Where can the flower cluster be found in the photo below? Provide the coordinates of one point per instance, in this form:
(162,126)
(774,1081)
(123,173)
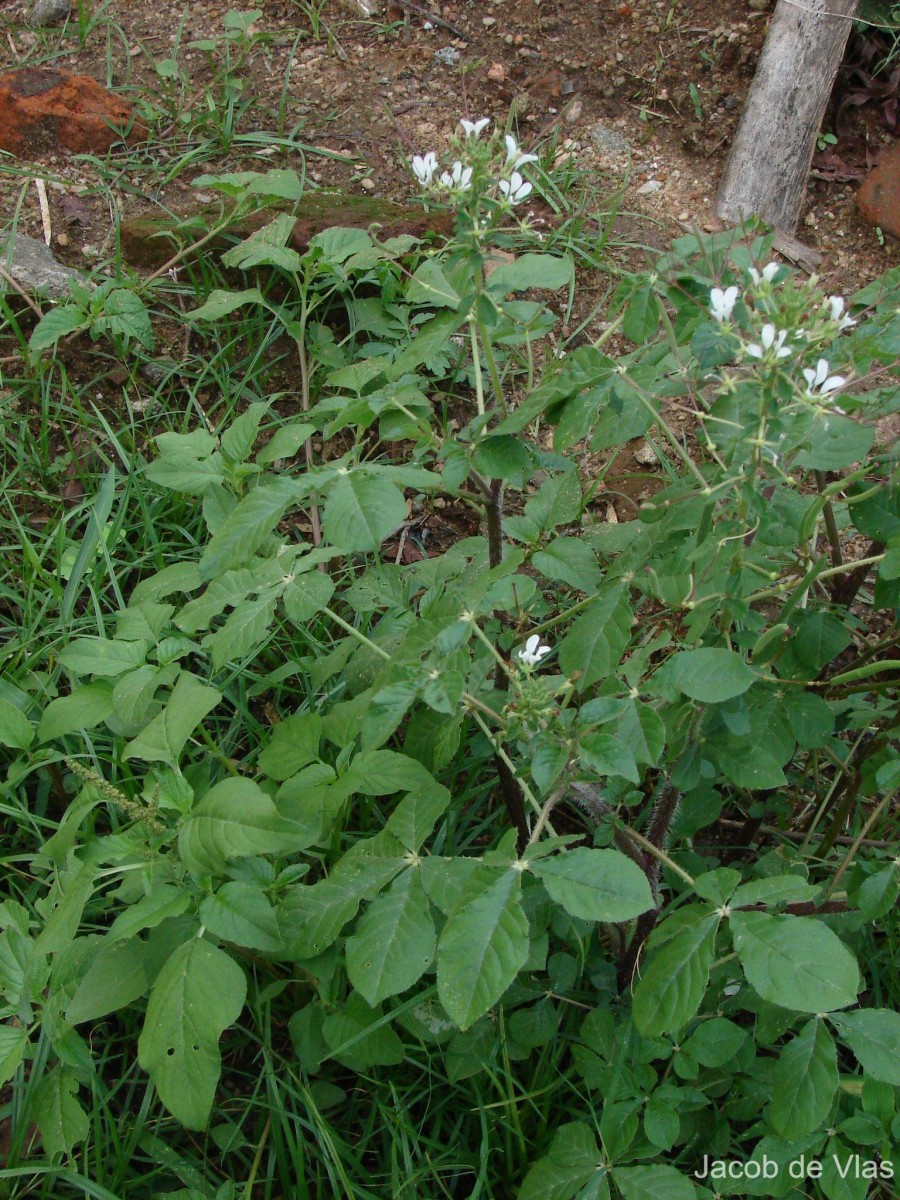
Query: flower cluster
(772,345)
(510,184)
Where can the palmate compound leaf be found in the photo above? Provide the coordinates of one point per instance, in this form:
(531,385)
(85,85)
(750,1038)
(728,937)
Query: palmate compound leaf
(571,1162)
(804,1082)
(674,981)
(198,993)
(394,941)
(484,944)
(598,885)
(796,962)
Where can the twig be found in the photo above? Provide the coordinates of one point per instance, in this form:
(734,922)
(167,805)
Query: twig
(407,6)
(17,287)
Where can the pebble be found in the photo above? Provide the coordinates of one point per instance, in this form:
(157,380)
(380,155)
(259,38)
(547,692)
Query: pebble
(367,184)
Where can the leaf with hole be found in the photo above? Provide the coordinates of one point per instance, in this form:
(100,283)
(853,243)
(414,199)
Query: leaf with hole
(198,993)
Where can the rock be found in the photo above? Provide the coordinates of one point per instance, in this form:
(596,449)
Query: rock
(151,241)
(648,188)
(44,111)
(35,269)
(610,143)
(50,12)
(879,197)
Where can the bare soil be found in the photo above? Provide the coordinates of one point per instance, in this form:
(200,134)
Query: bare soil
(359,96)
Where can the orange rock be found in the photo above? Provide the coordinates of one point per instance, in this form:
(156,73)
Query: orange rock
(879,197)
(43,111)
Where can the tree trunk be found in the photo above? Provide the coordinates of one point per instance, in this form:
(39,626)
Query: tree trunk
(769,163)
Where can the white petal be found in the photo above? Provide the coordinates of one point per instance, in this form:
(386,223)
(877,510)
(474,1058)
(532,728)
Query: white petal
(754,275)
(832,384)
(755,351)
(767,337)
(770,271)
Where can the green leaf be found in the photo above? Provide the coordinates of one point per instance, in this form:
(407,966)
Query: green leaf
(306,596)
(84,708)
(102,657)
(361,511)
(198,993)
(221,303)
(13,1043)
(247,526)
(58,1115)
(674,981)
(804,1082)
(641,316)
(233,820)
(125,315)
(116,977)
(585,653)
(597,885)
(710,674)
(415,816)
(54,325)
(164,900)
(294,744)
(661,1123)
(796,962)
(394,941)
(240,913)
(501,456)
(164,738)
(571,1162)
(357,1038)
(245,630)
(653,1183)
(569,560)
(484,945)
(544,271)
(285,442)
(16,731)
(429,285)
(604,754)
(64,905)
(835,442)
(238,438)
(715,1042)
(642,731)
(873,1034)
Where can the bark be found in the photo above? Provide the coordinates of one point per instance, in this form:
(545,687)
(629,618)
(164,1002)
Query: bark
(769,163)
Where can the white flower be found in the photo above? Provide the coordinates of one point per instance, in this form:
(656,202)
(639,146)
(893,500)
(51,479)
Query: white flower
(721,303)
(516,188)
(515,156)
(458,177)
(534,651)
(836,304)
(819,382)
(424,167)
(769,271)
(771,341)
(474,128)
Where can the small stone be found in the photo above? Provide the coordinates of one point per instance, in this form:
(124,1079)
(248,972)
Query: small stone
(367,184)
(62,239)
(50,12)
(609,141)
(573,112)
(487,22)
(35,270)
(648,188)
(496,72)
